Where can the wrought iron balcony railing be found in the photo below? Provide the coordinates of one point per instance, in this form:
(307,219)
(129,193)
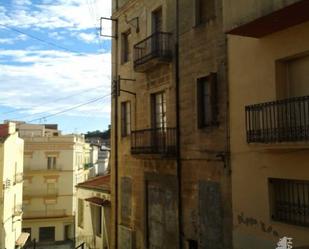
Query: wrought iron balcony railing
(158,45)
(279,121)
(154,141)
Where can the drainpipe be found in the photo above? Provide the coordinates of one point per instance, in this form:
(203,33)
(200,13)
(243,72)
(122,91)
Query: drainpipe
(178,148)
(115,93)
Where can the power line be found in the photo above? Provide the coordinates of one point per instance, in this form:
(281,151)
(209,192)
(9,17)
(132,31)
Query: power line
(69,109)
(55,100)
(42,40)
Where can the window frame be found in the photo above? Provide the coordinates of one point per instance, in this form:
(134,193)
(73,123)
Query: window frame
(51,162)
(125,46)
(80,213)
(203,120)
(126,124)
(154,114)
(198,8)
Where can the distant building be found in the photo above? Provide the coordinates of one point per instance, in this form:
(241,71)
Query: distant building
(103,160)
(93,213)
(54,164)
(11,188)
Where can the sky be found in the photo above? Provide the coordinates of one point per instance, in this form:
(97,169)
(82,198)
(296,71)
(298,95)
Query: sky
(52,59)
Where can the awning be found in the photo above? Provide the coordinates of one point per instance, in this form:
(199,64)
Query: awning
(98,201)
(22,239)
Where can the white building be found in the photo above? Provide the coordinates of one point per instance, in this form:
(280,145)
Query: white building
(11,188)
(54,164)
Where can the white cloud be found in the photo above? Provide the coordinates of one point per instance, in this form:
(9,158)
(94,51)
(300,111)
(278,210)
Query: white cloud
(13,40)
(88,37)
(72,14)
(45,76)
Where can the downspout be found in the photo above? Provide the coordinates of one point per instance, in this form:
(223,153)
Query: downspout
(178,142)
(115,93)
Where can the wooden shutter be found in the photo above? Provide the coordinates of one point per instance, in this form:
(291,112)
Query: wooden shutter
(214,97)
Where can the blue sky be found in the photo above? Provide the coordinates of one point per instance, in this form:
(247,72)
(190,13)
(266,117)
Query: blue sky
(38,80)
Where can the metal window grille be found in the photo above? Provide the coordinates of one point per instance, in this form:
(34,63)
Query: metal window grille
(290,201)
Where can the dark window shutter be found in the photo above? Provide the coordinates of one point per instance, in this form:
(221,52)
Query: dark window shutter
(200,106)
(214,97)
(123,119)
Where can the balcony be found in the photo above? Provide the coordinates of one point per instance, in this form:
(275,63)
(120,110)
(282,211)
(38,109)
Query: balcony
(18,210)
(19,177)
(152,51)
(161,141)
(279,121)
(267,20)
(57,213)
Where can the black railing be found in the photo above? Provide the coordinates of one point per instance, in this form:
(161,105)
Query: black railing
(279,121)
(154,141)
(158,45)
(290,201)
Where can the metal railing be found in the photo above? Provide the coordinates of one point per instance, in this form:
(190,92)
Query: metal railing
(158,45)
(154,141)
(290,201)
(279,121)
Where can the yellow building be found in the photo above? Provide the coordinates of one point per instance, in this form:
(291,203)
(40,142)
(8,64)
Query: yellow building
(268,51)
(11,188)
(93,215)
(54,164)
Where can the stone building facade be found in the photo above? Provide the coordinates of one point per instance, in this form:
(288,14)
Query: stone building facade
(170,152)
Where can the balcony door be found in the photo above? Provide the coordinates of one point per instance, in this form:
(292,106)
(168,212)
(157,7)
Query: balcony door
(157,20)
(156,28)
(293,114)
(159,123)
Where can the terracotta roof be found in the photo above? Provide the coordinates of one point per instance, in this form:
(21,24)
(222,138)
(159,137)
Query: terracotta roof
(22,239)
(97,183)
(99,201)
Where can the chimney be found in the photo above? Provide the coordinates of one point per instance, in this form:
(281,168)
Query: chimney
(7,129)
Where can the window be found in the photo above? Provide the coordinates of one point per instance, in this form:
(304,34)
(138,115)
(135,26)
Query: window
(51,188)
(207,100)
(126,51)
(290,201)
(125,118)
(292,77)
(98,211)
(51,162)
(80,213)
(192,244)
(204,11)
(157,21)
(46,234)
(158,110)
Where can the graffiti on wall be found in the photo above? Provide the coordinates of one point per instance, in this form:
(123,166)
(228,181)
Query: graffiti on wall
(258,224)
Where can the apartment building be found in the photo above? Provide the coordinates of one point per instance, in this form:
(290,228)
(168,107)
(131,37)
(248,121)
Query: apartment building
(93,216)
(170,151)
(11,188)
(268,51)
(53,165)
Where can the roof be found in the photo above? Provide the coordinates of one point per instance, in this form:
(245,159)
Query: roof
(22,239)
(99,201)
(101,183)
